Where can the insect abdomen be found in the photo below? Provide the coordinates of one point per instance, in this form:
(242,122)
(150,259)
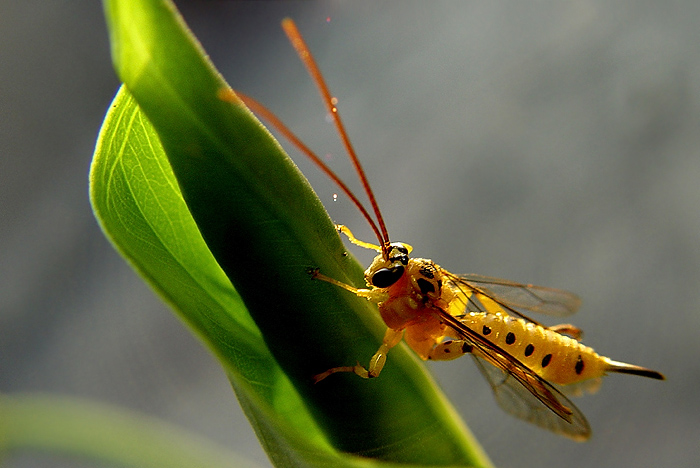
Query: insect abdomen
(551,355)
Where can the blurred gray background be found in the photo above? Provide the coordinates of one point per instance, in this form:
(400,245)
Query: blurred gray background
(547,142)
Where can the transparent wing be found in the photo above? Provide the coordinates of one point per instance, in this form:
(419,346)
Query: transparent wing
(476,293)
(520,391)
(519,401)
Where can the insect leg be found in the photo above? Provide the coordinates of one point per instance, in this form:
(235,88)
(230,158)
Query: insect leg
(376,364)
(568,329)
(316,274)
(450,349)
(351,237)
(374,295)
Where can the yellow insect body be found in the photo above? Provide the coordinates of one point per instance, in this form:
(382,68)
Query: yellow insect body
(442,316)
(415,295)
(555,357)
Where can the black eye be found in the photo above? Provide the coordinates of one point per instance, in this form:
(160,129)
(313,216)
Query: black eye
(385,277)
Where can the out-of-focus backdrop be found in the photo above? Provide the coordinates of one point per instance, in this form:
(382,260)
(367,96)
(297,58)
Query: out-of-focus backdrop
(551,142)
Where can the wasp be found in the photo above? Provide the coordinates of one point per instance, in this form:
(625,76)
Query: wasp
(443,316)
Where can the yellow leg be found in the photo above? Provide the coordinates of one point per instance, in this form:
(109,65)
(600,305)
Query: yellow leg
(367,245)
(448,350)
(373,295)
(568,329)
(316,274)
(345,230)
(376,364)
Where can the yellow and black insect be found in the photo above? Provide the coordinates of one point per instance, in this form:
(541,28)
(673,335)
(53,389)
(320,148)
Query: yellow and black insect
(443,316)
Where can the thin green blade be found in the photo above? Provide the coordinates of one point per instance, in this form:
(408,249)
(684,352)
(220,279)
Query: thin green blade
(265,227)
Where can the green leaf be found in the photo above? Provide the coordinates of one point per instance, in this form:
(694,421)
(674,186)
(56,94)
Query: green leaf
(76,427)
(235,208)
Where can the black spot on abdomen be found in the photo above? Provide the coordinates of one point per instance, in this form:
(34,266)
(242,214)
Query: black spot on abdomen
(546,360)
(529,349)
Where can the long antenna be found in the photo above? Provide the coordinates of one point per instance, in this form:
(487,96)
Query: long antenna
(305,55)
(266,114)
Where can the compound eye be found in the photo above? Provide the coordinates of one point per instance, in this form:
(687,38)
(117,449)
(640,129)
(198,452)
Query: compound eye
(385,277)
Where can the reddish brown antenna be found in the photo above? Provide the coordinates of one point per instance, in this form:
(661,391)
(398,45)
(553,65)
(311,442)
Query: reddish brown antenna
(266,114)
(305,55)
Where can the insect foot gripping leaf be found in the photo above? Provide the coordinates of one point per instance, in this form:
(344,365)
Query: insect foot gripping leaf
(444,316)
